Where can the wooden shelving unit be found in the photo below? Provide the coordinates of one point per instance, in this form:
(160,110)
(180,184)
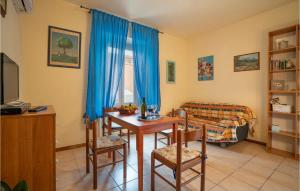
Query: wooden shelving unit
(293,135)
(285,133)
(282,91)
(285,50)
(281,71)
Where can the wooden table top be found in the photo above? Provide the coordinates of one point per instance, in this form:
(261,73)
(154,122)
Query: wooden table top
(49,111)
(133,119)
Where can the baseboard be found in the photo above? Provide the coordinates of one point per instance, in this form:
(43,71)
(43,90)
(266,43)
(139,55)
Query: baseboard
(70,147)
(257,142)
(284,153)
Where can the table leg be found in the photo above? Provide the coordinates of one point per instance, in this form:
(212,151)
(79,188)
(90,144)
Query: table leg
(175,126)
(140,157)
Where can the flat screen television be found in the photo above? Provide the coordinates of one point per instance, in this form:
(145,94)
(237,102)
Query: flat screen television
(9,76)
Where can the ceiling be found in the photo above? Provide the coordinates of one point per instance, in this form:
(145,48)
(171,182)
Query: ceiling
(183,17)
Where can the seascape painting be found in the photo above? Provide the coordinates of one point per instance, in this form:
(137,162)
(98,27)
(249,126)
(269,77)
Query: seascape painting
(246,62)
(206,68)
(171,72)
(64,48)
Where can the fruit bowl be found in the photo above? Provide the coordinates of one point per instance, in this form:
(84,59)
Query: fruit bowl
(127,109)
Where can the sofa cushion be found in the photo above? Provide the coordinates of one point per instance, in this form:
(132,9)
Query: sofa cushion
(222,131)
(217,112)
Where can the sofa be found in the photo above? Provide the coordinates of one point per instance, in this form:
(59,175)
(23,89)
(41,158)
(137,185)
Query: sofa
(226,123)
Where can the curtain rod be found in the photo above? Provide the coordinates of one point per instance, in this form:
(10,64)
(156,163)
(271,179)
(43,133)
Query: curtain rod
(89,11)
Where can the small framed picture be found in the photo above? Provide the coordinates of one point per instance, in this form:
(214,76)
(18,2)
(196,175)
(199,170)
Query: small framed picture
(246,62)
(64,48)
(3,7)
(171,72)
(206,68)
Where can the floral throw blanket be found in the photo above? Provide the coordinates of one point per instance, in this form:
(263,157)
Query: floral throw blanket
(221,120)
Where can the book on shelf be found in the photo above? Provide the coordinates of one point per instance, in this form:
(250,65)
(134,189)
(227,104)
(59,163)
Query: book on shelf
(282,64)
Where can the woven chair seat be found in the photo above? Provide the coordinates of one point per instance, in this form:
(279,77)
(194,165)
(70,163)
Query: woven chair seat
(109,141)
(169,153)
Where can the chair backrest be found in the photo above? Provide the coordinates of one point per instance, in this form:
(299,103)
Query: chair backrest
(106,110)
(91,125)
(183,115)
(88,123)
(112,109)
(188,136)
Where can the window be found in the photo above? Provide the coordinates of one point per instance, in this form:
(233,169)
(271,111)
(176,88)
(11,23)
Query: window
(126,93)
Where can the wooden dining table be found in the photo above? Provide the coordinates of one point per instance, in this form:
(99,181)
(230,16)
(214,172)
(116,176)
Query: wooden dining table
(140,127)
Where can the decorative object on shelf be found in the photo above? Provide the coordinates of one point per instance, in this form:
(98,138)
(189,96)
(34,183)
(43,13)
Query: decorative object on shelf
(275,100)
(3,7)
(290,85)
(171,72)
(282,44)
(206,68)
(247,62)
(283,108)
(291,63)
(128,109)
(277,84)
(282,64)
(275,128)
(64,48)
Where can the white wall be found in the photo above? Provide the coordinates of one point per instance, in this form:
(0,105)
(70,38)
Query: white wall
(245,88)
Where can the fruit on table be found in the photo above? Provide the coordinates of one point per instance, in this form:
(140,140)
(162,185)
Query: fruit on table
(128,108)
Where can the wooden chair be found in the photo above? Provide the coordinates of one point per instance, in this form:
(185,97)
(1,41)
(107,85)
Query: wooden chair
(115,127)
(180,159)
(168,134)
(106,144)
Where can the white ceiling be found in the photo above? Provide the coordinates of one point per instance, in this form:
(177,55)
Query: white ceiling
(183,17)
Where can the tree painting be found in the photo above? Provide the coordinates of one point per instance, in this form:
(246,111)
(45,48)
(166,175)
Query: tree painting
(64,43)
(64,47)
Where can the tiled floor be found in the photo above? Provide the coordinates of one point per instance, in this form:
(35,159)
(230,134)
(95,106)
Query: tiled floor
(241,167)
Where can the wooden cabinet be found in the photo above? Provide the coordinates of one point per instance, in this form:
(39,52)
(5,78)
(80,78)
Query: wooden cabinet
(28,149)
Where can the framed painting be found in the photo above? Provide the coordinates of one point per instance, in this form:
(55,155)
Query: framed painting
(206,68)
(64,48)
(247,62)
(171,72)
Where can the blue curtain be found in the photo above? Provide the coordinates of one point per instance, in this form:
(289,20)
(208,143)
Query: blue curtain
(146,63)
(106,61)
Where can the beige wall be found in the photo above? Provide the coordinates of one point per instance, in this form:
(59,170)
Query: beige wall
(65,88)
(62,87)
(245,88)
(173,49)
(10,38)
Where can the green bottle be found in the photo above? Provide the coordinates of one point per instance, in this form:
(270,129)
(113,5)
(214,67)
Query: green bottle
(143,108)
